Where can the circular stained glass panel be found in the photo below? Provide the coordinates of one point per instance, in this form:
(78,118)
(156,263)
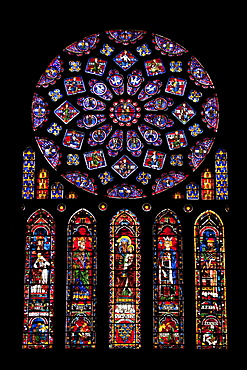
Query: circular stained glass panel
(125,114)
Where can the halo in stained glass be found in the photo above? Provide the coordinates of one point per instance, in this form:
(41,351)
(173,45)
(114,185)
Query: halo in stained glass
(128,101)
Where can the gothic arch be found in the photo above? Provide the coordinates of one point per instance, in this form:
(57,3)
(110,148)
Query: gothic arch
(168,320)
(125,259)
(81,280)
(210,283)
(39,280)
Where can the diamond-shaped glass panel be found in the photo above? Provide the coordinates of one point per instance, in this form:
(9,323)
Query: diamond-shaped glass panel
(125,59)
(66,112)
(184,112)
(124,166)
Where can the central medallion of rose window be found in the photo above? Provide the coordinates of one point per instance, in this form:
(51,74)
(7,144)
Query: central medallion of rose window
(125,112)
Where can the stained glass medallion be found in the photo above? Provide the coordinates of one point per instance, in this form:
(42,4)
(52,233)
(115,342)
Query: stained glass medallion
(125,100)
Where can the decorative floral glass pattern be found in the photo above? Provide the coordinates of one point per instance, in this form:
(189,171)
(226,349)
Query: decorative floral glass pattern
(129,78)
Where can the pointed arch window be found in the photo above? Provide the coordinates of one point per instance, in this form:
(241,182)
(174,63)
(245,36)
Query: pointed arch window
(81,281)
(125,259)
(39,281)
(168,320)
(210,283)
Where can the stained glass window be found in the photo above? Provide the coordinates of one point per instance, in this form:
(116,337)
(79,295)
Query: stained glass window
(207,184)
(42,187)
(39,281)
(128,115)
(210,282)
(125,259)
(125,114)
(28,174)
(221,174)
(57,190)
(192,191)
(81,281)
(168,296)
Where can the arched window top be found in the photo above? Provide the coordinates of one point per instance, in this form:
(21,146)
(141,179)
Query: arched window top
(209,218)
(40,218)
(124,217)
(210,282)
(39,281)
(125,272)
(82,214)
(168,217)
(125,113)
(81,281)
(168,298)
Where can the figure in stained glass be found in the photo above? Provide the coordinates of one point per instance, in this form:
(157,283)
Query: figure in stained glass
(39,281)
(74,85)
(96,66)
(125,37)
(176,86)
(184,112)
(154,67)
(81,281)
(210,286)
(125,59)
(176,139)
(124,281)
(73,139)
(95,159)
(124,166)
(83,46)
(198,74)
(66,112)
(154,159)
(52,73)
(168,320)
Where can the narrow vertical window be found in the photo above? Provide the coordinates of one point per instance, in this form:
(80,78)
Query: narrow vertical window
(39,281)
(168,320)
(221,174)
(81,281)
(125,322)
(210,284)
(28,174)
(42,191)
(207,183)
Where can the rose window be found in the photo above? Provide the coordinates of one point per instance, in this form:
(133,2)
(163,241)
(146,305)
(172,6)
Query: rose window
(125,114)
